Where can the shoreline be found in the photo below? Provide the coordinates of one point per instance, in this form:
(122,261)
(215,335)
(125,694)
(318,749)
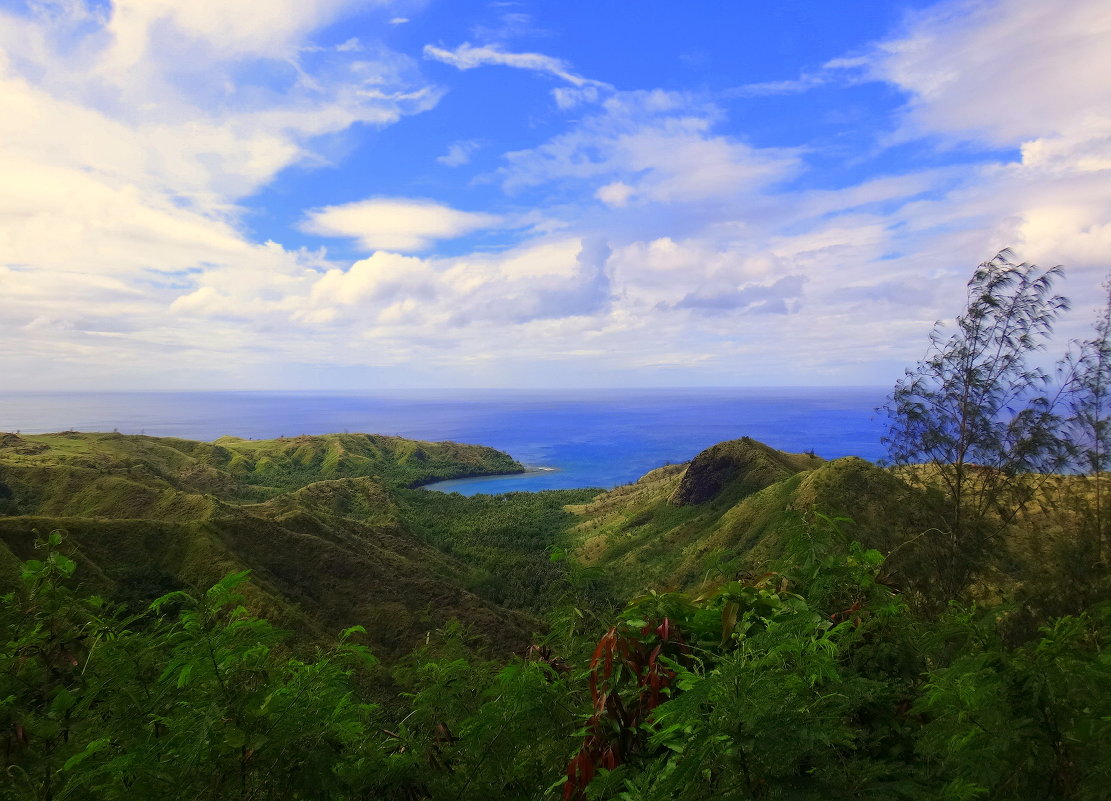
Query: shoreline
(530,470)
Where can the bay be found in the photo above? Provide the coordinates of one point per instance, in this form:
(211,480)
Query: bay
(595,438)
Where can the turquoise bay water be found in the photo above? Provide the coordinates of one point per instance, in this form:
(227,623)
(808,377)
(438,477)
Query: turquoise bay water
(591,438)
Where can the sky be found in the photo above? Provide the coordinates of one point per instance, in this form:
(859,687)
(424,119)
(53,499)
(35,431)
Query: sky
(361,194)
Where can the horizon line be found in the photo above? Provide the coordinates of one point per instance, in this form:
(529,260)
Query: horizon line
(348,390)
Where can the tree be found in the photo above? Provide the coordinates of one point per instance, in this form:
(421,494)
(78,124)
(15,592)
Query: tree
(1085,377)
(971,416)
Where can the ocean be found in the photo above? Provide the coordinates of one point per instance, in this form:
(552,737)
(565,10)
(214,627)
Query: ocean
(583,438)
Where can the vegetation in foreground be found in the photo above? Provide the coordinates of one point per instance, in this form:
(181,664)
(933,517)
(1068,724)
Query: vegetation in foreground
(815,682)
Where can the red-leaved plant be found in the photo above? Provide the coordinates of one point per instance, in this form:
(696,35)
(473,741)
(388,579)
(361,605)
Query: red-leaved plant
(628,679)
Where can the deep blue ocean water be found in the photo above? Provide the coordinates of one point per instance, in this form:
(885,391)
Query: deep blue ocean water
(593,438)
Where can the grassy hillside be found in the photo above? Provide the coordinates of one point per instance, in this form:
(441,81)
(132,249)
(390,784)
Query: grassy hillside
(679,521)
(732,511)
(335,538)
(117,475)
(314,518)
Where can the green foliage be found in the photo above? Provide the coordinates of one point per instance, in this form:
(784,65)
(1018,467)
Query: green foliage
(293,462)
(1085,376)
(773,657)
(1011,468)
(834,571)
(202,704)
(763,696)
(507,540)
(1031,722)
(91,475)
(813,681)
(772,719)
(479,730)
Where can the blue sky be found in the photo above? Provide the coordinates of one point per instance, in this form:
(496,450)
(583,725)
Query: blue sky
(351,195)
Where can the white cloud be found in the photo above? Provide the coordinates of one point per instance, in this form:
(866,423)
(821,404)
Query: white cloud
(122,254)
(467,57)
(459,153)
(395,223)
(569,97)
(267,28)
(509,25)
(791,86)
(1016,74)
(190,99)
(711,264)
(395,295)
(615,194)
(661,145)
(127,138)
(1002,72)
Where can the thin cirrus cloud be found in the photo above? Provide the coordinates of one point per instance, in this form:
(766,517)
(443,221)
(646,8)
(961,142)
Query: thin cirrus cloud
(467,56)
(397,224)
(653,146)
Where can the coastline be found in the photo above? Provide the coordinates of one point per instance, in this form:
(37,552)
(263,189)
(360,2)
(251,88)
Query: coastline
(445,485)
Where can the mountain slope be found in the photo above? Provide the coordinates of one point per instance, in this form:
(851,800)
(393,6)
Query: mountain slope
(730,511)
(117,475)
(313,518)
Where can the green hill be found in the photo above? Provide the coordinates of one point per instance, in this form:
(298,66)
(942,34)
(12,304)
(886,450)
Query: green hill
(335,537)
(118,475)
(313,518)
(737,506)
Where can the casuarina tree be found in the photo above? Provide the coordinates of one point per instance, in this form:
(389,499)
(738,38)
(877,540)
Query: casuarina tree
(972,416)
(1085,378)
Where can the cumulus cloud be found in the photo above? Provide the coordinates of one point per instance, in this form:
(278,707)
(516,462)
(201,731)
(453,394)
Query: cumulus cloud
(129,135)
(542,280)
(582,291)
(778,297)
(395,223)
(382,281)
